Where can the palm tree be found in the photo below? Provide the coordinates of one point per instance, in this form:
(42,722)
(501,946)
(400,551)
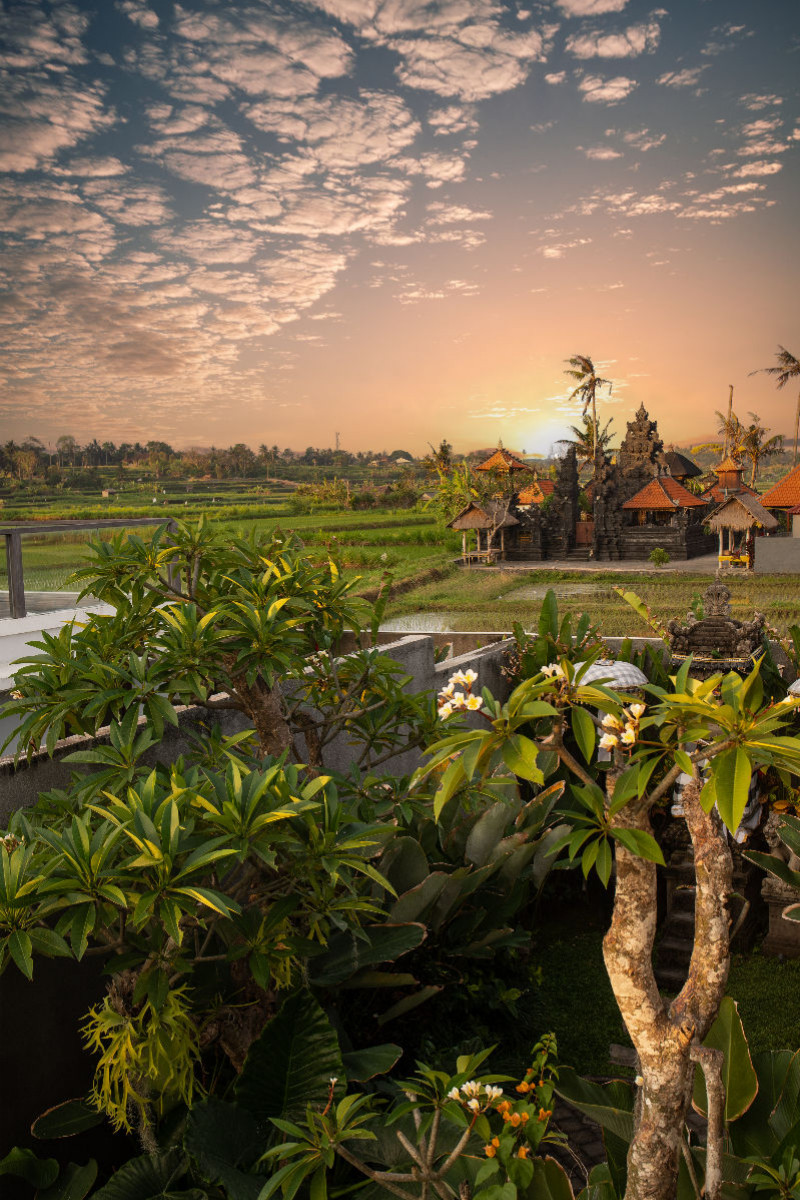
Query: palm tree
(582,370)
(733,431)
(788,368)
(586,441)
(756,446)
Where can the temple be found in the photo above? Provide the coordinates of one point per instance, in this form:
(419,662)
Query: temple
(632,506)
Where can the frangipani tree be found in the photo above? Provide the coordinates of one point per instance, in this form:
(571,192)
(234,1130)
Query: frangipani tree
(716,731)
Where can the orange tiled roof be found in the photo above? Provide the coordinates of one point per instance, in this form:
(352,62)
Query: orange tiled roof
(664,492)
(786,492)
(535,492)
(503,460)
(718,493)
(728,464)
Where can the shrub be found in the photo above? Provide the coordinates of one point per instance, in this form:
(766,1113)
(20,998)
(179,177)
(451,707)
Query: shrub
(659,557)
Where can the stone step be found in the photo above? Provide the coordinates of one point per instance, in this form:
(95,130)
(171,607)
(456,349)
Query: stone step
(670,979)
(673,950)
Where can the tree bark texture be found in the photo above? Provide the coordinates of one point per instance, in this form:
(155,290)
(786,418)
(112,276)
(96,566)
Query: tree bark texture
(663,1036)
(264,706)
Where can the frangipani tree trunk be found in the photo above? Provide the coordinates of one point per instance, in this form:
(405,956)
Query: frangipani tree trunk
(721,726)
(663,1034)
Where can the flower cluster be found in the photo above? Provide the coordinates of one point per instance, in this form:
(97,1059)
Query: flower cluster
(553,671)
(622,731)
(451,700)
(475,1096)
(11,842)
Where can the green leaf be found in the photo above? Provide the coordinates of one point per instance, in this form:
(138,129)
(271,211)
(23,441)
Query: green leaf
(360,1065)
(550,1180)
(487,832)
(19,947)
(683,761)
(292,1062)
(74,1183)
(452,780)
(585,733)
(66,1119)
(610,1104)
(738,1074)
(24,1164)
(225,1141)
(732,773)
(603,862)
(319,1186)
(640,843)
(150,1177)
(519,755)
(346,954)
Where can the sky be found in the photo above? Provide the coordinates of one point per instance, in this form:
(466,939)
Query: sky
(393,220)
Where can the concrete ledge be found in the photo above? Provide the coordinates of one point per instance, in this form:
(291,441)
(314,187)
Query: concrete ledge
(20,785)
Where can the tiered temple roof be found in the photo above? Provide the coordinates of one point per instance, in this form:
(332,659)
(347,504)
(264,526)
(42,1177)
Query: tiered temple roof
(503,460)
(663,493)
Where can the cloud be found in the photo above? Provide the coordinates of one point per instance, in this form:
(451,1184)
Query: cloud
(761,167)
(590,8)
(629,43)
(688,77)
(756,101)
(139,12)
(453,118)
(606,91)
(559,249)
(454,214)
(601,153)
(41,118)
(643,139)
(453,48)
(341,132)
(556,77)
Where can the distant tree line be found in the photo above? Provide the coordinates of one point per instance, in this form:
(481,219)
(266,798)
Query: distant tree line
(31,459)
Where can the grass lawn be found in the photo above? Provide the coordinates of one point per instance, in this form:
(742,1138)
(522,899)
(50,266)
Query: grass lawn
(575,1000)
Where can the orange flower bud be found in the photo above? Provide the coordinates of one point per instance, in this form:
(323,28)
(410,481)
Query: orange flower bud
(506,1116)
(522,1152)
(545,1113)
(495,1142)
(490,1151)
(515,1119)
(523,1087)
(524,1118)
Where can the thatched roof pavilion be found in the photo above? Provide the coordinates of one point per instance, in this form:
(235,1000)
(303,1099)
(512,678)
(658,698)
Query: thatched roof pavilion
(489,516)
(741,513)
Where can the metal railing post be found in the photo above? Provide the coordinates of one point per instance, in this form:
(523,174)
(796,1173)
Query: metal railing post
(16,579)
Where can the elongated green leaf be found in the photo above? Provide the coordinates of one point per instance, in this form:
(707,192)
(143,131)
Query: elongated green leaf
(643,844)
(19,947)
(610,1105)
(585,733)
(452,780)
(738,1075)
(292,1063)
(346,953)
(732,771)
